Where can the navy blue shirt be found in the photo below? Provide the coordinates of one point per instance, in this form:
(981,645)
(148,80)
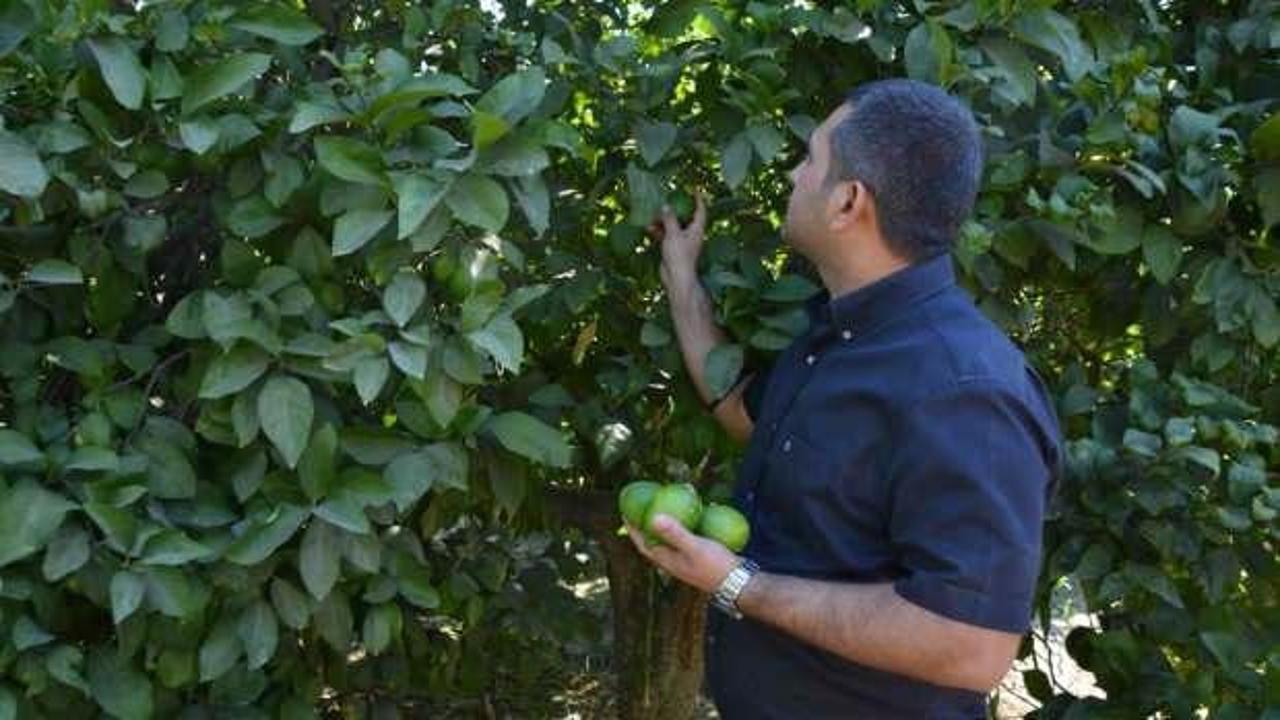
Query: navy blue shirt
(903,438)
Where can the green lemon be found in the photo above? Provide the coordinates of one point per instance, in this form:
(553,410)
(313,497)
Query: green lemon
(634,500)
(459,285)
(681,203)
(443,268)
(726,526)
(680,501)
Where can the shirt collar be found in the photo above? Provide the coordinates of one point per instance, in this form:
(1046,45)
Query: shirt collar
(863,309)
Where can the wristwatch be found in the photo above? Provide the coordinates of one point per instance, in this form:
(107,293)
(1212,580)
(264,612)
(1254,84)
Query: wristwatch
(726,596)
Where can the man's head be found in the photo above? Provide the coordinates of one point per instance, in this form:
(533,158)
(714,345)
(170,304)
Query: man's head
(894,170)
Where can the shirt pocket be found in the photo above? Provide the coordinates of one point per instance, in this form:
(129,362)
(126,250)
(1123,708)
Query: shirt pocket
(823,507)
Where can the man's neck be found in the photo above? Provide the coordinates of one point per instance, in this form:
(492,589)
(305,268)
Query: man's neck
(843,275)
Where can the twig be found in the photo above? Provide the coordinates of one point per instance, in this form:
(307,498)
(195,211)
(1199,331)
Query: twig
(153,372)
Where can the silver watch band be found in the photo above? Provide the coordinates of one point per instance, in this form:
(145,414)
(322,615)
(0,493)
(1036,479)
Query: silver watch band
(726,596)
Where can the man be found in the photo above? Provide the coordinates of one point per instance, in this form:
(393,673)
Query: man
(901,451)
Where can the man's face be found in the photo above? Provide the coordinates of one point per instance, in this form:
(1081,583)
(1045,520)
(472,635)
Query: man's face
(808,208)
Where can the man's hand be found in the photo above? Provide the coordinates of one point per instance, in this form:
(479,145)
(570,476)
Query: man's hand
(693,560)
(681,246)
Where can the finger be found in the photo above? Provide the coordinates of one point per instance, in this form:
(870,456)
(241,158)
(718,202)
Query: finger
(672,532)
(654,230)
(670,225)
(638,540)
(699,222)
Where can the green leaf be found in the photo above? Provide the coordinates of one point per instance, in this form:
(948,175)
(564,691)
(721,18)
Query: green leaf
(16,22)
(487,129)
(244,418)
(317,467)
(259,633)
(1264,142)
(735,159)
(1156,582)
(219,652)
(291,605)
(144,234)
(215,80)
(518,155)
(334,621)
(1162,252)
(199,134)
(127,591)
(17,449)
(927,52)
(1267,182)
(501,338)
(120,69)
(312,114)
(410,477)
(29,518)
(529,437)
(382,626)
(369,377)
(27,634)
(790,289)
(535,202)
(318,560)
(1188,126)
(356,228)
(723,365)
(64,663)
(410,359)
(173,31)
(263,538)
(654,139)
(171,547)
(478,200)
(416,196)
(175,593)
(1266,319)
(55,272)
(253,217)
(766,140)
(21,173)
(281,23)
(345,512)
(350,159)
(1058,34)
(515,96)
(117,687)
(169,472)
(68,552)
(644,190)
(233,371)
(403,296)
(1015,69)
(285,410)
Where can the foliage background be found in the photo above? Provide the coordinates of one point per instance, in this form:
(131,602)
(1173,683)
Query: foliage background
(320,321)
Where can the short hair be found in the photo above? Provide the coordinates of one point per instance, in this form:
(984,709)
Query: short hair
(919,151)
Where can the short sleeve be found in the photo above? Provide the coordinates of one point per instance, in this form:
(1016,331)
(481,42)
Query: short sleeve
(753,393)
(969,480)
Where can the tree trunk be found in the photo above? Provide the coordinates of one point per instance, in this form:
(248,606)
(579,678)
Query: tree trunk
(657,626)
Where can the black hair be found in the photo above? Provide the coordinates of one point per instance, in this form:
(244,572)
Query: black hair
(919,152)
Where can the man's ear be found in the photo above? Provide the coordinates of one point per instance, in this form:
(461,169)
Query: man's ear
(846,203)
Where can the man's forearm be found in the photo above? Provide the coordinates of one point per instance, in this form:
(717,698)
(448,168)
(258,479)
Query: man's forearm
(872,625)
(694,319)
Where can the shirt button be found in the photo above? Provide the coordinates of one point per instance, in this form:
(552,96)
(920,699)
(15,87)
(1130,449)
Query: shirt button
(786,446)
(810,360)
(847,334)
